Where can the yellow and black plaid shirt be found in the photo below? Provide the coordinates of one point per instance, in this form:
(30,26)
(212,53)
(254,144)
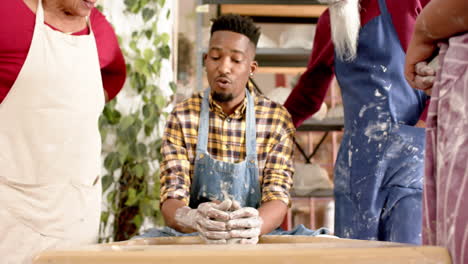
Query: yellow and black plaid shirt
(226,142)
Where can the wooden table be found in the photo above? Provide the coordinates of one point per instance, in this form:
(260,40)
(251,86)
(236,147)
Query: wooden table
(270,250)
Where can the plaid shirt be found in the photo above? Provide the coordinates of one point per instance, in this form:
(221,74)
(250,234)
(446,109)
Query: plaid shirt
(226,142)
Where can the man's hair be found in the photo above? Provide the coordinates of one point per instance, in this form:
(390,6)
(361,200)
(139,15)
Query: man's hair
(237,23)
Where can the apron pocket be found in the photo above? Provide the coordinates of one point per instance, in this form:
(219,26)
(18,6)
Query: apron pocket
(53,210)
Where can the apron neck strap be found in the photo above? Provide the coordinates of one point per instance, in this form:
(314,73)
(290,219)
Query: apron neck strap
(39,14)
(250,134)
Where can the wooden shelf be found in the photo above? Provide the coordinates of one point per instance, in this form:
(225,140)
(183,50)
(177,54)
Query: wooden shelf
(307,11)
(284,70)
(324,193)
(279,57)
(323,125)
(263,2)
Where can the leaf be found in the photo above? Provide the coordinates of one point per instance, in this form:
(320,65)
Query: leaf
(140,65)
(100,8)
(141,151)
(165,51)
(111,197)
(160,101)
(173,86)
(168,14)
(122,149)
(148,54)
(147,110)
(104,216)
(106,182)
(132,198)
(138,170)
(147,14)
(145,207)
(149,130)
(112,162)
(126,122)
(129,3)
(148,34)
(155,204)
(165,38)
(137,220)
(157,67)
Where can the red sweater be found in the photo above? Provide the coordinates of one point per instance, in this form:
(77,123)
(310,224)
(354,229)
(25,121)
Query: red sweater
(16,32)
(309,93)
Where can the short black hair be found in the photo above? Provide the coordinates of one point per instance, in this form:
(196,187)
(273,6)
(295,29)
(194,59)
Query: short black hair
(237,23)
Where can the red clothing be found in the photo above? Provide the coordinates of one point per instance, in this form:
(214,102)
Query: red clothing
(16,31)
(309,93)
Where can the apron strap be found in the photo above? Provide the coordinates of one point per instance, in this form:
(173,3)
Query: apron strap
(39,14)
(250,134)
(386,16)
(204,123)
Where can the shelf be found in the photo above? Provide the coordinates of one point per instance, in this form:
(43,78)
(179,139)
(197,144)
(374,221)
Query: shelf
(263,2)
(325,193)
(307,11)
(323,125)
(279,57)
(284,70)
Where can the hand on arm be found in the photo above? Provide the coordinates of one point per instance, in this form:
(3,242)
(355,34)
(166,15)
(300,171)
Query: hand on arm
(439,20)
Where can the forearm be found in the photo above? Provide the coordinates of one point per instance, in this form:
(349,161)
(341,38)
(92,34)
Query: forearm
(168,210)
(441,19)
(272,213)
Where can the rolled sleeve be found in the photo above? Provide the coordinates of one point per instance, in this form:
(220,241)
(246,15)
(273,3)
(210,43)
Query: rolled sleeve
(279,170)
(175,166)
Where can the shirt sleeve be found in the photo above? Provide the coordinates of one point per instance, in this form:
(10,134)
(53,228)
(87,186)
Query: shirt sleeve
(175,166)
(404,14)
(309,93)
(278,171)
(111,60)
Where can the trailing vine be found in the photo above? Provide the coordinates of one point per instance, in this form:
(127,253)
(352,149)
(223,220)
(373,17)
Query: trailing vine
(131,185)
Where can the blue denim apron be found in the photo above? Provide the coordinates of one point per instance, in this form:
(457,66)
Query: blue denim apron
(212,178)
(379,168)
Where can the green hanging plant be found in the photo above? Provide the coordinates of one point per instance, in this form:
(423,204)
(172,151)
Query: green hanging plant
(131,185)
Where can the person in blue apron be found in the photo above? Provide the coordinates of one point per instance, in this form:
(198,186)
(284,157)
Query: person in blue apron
(379,167)
(227,152)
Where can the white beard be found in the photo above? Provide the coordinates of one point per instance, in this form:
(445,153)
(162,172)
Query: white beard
(345,24)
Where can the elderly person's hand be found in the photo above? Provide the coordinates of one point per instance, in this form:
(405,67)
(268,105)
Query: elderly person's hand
(245,225)
(419,72)
(209,219)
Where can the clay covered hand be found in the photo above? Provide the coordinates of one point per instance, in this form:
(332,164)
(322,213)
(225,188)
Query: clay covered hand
(209,219)
(425,75)
(245,225)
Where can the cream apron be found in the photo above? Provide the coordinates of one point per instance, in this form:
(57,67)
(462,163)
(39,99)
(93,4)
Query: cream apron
(50,192)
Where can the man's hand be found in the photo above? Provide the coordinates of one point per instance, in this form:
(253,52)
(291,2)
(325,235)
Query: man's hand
(209,219)
(245,224)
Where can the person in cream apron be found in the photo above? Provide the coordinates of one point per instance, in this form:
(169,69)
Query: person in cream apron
(50,146)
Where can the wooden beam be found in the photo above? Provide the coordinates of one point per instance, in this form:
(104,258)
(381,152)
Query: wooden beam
(275,10)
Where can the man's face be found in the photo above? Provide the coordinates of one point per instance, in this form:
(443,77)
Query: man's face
(228,63)
(345,24)
(75,7)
